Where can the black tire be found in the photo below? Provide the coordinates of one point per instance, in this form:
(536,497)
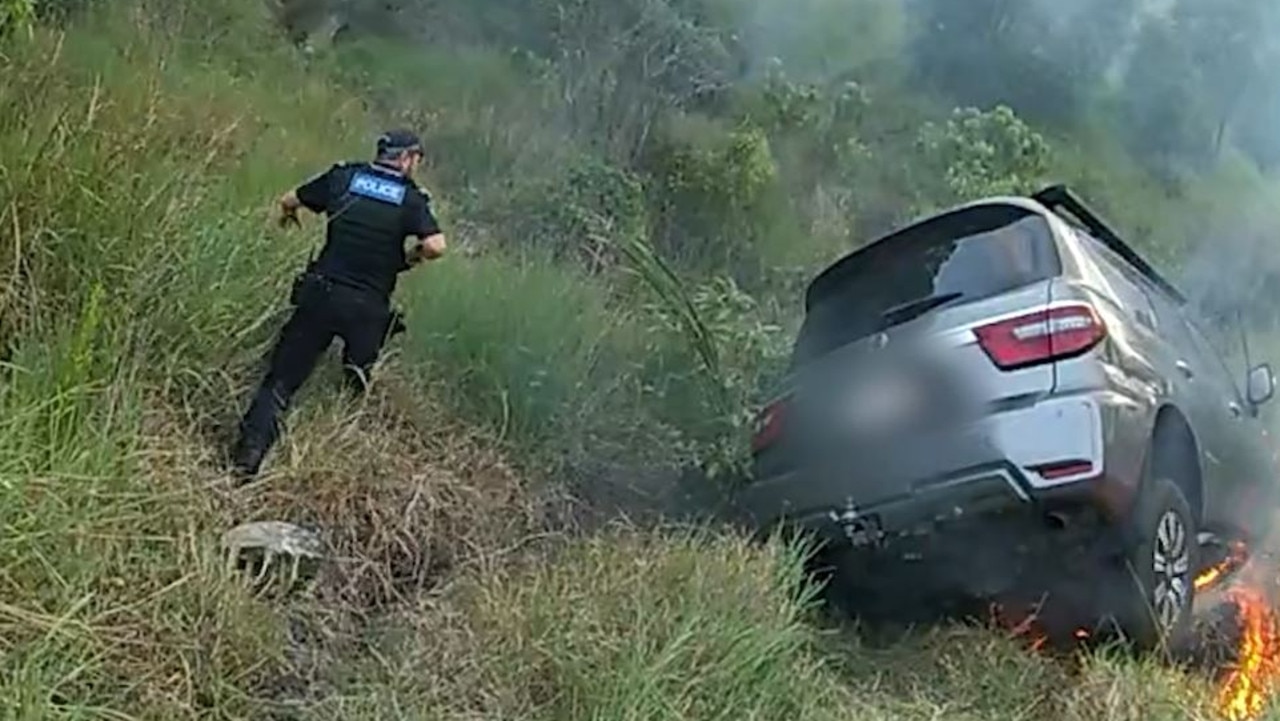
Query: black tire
(1160,559)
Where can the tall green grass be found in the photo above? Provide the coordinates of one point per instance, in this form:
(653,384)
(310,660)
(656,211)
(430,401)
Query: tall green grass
(574,370)
(689,627)
(136,177)
(651,625)
(534,349)
(140,168)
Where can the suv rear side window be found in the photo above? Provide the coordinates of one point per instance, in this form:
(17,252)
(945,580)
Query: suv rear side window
(972,254)
(1132,293)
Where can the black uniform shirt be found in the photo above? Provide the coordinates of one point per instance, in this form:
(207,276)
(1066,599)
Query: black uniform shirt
(371,209)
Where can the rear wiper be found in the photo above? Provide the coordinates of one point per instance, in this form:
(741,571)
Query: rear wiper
(918,307)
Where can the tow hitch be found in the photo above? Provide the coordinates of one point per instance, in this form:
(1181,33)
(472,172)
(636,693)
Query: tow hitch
(861,529)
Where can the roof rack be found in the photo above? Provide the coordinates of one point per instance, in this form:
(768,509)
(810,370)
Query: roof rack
(1058,198)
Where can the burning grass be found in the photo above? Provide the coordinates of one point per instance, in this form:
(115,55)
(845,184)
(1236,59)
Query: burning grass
(1241,634)
(1249,687)
(1230,672)
(1233,560)
(700,625)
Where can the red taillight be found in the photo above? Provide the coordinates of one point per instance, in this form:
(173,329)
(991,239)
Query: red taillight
(1063,469)
(1042,336)
(767,427)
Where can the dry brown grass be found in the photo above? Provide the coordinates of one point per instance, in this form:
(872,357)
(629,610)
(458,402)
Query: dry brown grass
(399,505)
(157,624)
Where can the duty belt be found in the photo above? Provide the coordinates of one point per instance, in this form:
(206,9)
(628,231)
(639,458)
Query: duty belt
(395,319)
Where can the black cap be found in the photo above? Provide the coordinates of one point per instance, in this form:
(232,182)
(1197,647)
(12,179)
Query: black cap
(397,141)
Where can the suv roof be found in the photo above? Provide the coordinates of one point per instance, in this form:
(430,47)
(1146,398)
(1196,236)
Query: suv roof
(1058,199)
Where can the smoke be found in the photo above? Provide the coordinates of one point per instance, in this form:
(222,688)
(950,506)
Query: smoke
(817,39)
(1232,276)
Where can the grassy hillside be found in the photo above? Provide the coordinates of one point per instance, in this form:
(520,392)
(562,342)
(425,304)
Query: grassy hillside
(612,305)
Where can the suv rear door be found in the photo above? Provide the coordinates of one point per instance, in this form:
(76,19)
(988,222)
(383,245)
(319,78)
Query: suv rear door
(907,305)
(1238,436)
(1197,391)
(1135,365)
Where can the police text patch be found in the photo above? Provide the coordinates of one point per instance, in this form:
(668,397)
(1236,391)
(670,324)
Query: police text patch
(371,186)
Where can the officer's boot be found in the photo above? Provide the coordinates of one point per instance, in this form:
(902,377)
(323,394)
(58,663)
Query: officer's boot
(258,431)
(246,460)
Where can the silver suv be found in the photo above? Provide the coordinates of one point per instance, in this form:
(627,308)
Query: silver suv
(1005,397)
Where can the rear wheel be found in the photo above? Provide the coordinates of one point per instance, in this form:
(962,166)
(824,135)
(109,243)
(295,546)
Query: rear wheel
(1160,559)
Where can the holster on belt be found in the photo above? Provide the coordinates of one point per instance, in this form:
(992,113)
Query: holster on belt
(306,279)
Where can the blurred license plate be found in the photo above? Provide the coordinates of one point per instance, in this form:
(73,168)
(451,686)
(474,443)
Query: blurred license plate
(883,402)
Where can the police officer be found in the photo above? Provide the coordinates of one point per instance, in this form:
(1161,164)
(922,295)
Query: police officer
(372,208)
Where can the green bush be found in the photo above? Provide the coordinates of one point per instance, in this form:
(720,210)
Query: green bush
(712,401)
(568,370)
(572,213)
(710,187)
(483,120)
(981,153)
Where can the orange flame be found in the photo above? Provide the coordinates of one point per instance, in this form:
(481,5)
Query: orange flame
(1026,627)
(1235,558)
(1246,690)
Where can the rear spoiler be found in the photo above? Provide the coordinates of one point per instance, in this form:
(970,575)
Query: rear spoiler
(1058,198)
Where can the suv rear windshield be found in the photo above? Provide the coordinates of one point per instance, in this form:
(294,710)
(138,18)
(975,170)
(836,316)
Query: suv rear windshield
(958,257)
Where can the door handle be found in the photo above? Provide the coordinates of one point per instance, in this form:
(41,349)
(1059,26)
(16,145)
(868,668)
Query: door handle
(1185,368)
(1236,410)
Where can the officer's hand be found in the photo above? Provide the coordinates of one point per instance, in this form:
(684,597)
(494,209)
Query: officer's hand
(432,247)
(417,256)
(287,219)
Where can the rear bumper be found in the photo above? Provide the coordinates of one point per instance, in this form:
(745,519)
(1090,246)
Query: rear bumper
(1028,461)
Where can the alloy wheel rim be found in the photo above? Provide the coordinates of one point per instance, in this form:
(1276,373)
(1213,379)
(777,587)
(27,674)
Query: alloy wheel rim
(1171,563)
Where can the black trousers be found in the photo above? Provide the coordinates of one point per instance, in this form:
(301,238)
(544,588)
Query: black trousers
(322,310)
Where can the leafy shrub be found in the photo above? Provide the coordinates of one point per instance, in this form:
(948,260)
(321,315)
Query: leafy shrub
(573,214)
(709,186)
(985,153)
(713,407)
(708,349)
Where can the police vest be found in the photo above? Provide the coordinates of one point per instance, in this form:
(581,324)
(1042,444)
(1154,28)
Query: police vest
(368,216)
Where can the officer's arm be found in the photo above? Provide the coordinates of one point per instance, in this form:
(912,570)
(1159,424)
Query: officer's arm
(312,195)
(426,229)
